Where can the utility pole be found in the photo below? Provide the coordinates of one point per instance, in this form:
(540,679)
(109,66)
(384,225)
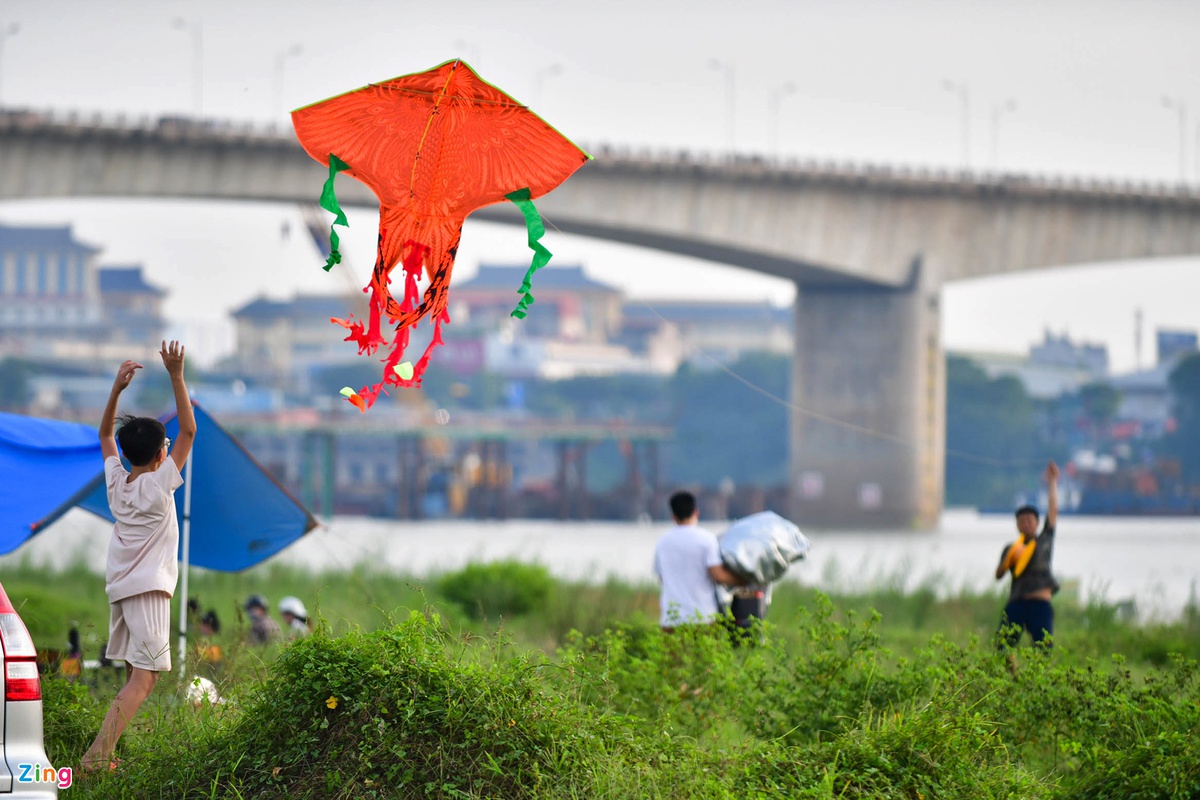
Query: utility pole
(730,98)
(777,95)
(964,94)
(11,30)
(197,33)
(1178,106)
(998,111)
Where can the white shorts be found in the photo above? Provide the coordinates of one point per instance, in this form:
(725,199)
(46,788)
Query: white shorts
(139,631)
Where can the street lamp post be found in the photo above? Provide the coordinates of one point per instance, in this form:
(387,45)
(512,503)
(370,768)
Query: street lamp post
(964,94)
(730,97)
(777,95)
(11,30)
(998,111)
(1179,107)
(280,59)
(197,33)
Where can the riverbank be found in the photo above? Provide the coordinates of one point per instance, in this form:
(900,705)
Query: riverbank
(1152,566)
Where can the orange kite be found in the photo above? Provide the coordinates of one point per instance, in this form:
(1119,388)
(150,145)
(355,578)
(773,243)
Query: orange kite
(434,147)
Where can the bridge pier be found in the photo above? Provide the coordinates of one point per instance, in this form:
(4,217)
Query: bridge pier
(868,425)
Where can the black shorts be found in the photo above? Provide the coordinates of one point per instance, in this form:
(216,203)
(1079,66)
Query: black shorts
(1035,616)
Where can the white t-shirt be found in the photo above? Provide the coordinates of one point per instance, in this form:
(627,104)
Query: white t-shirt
(143,554)
(681,561)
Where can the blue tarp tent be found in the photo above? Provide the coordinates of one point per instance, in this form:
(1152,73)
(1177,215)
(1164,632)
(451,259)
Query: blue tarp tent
(239,514)
(43,462)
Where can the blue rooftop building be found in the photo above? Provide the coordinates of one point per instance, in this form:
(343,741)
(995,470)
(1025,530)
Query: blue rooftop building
(56,303)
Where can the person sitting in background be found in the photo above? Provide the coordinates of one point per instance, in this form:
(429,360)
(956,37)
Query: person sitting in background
(295,617)
(263,629)
(211,657)
(71,665)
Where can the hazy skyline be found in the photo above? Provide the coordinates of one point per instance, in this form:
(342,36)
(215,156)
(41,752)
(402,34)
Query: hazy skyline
(1069,88)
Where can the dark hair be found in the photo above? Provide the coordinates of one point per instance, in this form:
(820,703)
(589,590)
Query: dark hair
(210,619)
(683,505)
(140,438)
(1028,509)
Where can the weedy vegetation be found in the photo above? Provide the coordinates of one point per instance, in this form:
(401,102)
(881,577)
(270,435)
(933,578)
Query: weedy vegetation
(499,681)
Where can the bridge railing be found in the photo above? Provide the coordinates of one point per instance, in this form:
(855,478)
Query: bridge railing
(791,168)
(671,160)
(167,126)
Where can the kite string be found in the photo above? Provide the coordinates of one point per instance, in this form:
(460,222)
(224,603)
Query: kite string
(817,415)
(437,104)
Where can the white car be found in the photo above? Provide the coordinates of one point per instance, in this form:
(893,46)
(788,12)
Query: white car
(25,770)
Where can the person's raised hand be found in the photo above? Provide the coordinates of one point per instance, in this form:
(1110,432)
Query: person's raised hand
(1052,472)
(172,356)
(125,374)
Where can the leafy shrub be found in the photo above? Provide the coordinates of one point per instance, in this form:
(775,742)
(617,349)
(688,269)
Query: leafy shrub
(1162,766)
(394,713)
(500,588)
(936,750)
(680,682)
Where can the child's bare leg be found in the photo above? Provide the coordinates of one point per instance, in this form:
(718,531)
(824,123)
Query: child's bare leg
(124,706)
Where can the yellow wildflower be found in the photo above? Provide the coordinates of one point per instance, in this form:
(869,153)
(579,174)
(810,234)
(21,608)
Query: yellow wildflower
(331,702)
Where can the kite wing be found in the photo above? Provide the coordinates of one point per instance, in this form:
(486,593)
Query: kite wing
(443,142)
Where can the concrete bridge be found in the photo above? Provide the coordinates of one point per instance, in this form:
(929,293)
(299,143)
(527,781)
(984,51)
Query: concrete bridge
(868,249)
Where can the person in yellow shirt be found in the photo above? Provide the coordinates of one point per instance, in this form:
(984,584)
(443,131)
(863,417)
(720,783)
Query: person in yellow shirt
(1028,561)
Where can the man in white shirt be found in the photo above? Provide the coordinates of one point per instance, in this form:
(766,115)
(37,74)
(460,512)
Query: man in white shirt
(688,564)
(143,552)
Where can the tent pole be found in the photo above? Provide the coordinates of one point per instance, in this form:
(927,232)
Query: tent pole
(185,557)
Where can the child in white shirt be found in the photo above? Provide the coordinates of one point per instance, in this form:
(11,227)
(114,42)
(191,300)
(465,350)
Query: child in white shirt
(143,565)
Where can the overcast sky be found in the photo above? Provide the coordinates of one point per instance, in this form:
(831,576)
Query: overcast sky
(852,80)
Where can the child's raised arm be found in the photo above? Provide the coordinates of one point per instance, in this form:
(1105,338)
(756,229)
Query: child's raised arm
(108,438)
(172,356)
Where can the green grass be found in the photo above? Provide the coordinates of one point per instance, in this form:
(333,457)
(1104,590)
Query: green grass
(567,690)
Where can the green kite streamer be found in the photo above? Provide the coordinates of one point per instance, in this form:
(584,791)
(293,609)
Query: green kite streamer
(541,256)
(330,203)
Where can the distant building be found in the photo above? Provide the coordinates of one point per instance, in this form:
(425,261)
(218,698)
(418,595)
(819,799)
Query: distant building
(1145,399)
(1146,395)
(706,331)
(1054,367)
(1174,344)
(553,359)
(281,341)
(131,307)
(48,286)
(568,332)
(581,326)
(1060,351)
(569,305)
(57,304)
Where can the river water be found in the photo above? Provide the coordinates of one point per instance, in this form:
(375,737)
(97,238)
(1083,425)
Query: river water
(1154,562)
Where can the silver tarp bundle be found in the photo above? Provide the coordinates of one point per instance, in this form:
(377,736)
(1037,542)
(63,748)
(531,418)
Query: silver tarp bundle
(762,546)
